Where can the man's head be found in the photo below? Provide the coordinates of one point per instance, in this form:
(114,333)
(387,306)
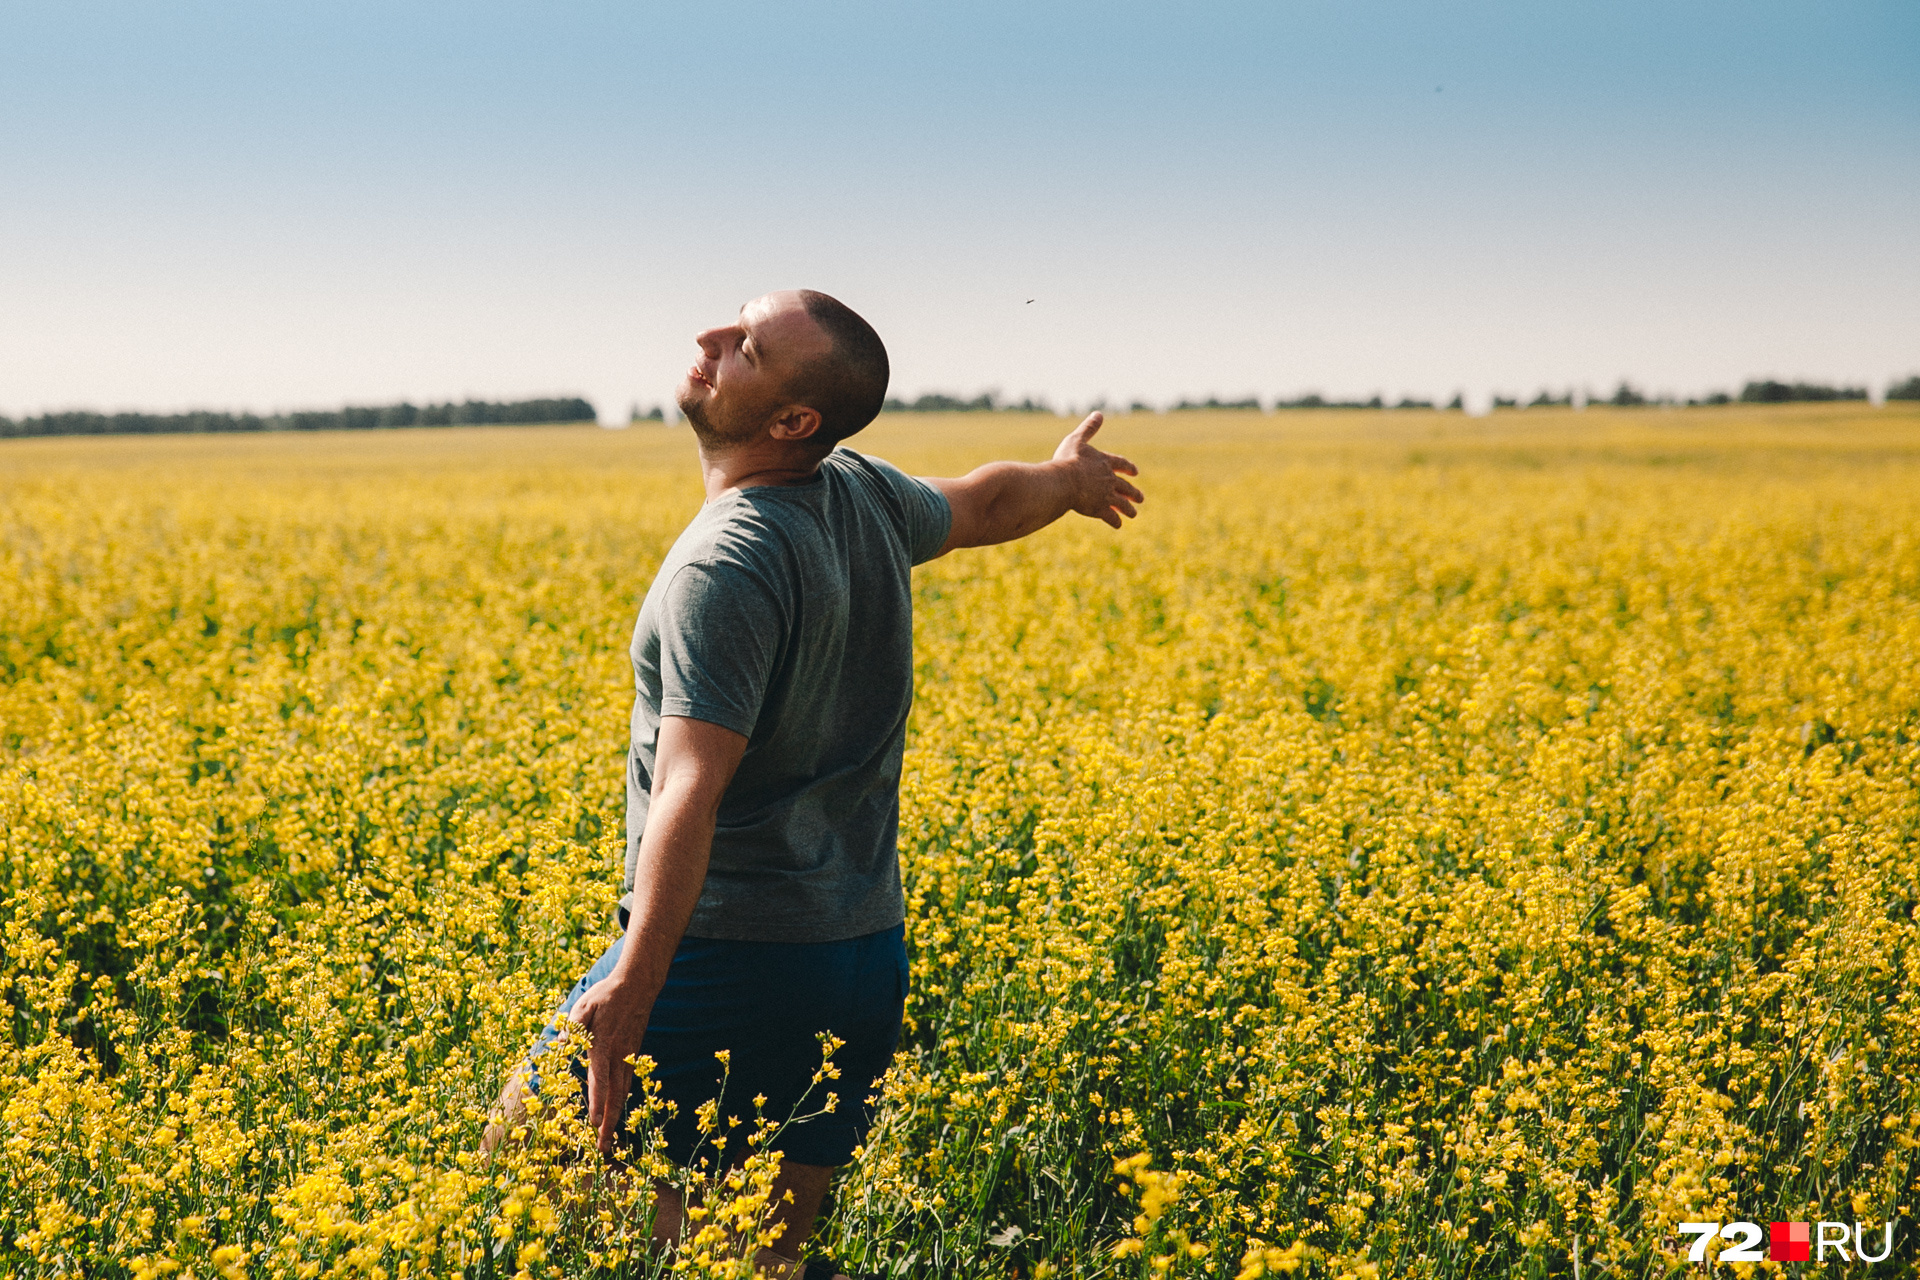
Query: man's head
(796,366)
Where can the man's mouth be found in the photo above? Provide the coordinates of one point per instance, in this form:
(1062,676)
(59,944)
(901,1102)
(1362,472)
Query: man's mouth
(693,372)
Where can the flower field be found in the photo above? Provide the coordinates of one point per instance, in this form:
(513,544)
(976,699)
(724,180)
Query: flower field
(1418,846)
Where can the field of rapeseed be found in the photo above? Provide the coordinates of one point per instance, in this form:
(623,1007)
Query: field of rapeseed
(1417,846)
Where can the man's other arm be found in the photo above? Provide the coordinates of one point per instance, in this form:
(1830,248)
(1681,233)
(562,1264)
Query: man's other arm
(693,764)
(1002,501)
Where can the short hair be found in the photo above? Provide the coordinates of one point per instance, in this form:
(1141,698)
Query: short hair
(848,385)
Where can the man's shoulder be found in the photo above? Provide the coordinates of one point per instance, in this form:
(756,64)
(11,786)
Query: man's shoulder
(730,537)
(739,528)
(768,530)
(851,463)
(873,479)
(919,513)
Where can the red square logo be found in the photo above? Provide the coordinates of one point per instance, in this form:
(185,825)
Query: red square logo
(1788,1242)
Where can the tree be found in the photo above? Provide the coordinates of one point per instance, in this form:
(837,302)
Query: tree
(349,418)
(937,402)
(1769,391)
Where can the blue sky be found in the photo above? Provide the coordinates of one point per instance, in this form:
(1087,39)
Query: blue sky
(261,206)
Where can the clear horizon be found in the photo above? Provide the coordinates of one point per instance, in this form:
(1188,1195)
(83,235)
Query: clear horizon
(223,207)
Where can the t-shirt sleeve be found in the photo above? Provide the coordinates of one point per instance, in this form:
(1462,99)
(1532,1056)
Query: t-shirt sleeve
(720,634)
(929,517)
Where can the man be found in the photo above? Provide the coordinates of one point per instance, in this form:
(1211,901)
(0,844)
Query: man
(773,669)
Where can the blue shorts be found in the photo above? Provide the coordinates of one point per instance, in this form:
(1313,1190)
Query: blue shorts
(765,1003)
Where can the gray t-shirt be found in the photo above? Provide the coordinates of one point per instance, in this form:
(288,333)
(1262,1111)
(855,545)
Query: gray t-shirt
(786,615)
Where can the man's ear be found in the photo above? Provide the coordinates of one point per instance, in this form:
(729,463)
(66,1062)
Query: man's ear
(795,422)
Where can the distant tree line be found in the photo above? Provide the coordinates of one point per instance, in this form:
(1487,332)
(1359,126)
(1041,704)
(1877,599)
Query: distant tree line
(1771,392)
(468,413)
(575,409)
(986,402)
(1759,391)
(1212,403)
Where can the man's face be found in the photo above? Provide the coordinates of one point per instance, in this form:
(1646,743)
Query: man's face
(736,389)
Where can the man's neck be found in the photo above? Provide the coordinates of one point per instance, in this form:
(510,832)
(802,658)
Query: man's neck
(763,462)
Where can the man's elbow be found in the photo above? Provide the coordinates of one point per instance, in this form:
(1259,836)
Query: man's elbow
(695,787)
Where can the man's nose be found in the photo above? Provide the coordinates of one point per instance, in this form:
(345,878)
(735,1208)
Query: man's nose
(714,341)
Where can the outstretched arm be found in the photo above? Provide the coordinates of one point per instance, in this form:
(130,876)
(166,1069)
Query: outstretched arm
(1003,501)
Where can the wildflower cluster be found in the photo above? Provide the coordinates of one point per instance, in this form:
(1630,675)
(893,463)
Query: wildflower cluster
(1395,854)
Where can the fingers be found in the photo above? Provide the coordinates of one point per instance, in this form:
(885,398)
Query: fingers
(1078,437)
(1123,496)
(599,1086)
(619,1087)
(610,1085)
(609,1119)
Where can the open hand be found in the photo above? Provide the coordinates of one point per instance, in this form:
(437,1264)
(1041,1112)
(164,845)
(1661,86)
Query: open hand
(618,1023)
(1100,487)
